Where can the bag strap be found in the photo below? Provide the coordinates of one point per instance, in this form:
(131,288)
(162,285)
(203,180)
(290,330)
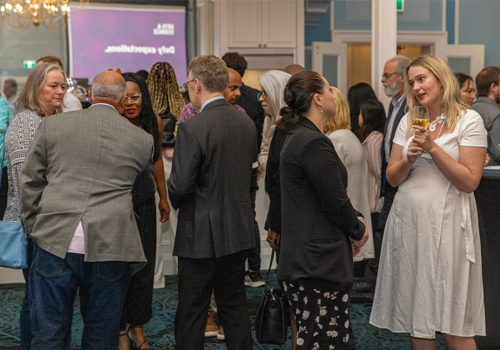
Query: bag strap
(1,161)
(270,265)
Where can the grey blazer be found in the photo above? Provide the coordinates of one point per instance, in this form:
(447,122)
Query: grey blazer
(489,111)
(210,182)
(81,166)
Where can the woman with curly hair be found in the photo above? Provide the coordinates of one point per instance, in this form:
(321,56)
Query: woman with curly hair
(167,103)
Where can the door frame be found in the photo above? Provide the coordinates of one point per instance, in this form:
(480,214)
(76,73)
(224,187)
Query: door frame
(438,42)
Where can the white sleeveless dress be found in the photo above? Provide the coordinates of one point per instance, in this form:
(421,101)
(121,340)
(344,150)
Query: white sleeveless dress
(429,276)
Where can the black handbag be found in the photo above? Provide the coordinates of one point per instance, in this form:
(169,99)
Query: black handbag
(270,321)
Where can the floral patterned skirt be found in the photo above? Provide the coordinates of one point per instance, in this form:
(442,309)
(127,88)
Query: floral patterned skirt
(322,316)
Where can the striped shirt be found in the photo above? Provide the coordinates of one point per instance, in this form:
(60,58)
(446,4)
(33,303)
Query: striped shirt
(373,159)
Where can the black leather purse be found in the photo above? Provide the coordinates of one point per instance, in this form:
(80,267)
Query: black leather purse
(270,322)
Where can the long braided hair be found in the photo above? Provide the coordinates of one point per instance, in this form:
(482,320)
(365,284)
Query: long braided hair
(164,90)
(147,117)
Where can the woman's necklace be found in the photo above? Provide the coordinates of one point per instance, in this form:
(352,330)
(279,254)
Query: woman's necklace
(438,120)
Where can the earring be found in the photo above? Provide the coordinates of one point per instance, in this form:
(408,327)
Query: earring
(321,111)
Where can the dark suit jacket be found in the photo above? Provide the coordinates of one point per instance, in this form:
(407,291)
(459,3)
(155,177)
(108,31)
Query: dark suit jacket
(390,134)
(317,216)
(210,182)
(81,166)
(249,102)
(272,184)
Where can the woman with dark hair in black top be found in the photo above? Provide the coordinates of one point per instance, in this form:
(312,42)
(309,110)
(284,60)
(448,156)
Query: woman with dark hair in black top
(356,95)
(320,230)
(137,309)
(372,121)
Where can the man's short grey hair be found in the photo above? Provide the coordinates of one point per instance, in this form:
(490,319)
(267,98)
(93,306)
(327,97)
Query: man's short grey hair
(402,63)
(12,82)
(104,88)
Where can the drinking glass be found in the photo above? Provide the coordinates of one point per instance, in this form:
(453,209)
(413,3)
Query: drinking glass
(420,116)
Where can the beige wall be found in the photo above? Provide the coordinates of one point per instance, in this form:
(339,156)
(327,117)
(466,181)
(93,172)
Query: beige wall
(251,77)
(359,61)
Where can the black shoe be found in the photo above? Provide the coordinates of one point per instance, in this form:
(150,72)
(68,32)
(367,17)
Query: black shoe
(254,279)
(363,287)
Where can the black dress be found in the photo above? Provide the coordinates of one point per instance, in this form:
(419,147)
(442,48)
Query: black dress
(137,309)
(272,181)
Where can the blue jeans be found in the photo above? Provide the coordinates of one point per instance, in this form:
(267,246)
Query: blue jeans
(24,317)
(54,283)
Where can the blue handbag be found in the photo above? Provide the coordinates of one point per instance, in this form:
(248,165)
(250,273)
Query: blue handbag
(13,244)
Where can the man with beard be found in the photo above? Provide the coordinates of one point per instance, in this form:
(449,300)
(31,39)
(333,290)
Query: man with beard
(393,81)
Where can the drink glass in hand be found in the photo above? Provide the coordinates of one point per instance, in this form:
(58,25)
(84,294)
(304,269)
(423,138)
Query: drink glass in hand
(420,116)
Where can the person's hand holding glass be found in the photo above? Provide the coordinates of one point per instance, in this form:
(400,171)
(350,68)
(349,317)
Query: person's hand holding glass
(420,117)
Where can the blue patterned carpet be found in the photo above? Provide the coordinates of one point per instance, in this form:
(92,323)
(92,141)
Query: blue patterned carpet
(160,330)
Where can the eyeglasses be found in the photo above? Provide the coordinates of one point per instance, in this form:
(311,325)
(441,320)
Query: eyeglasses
(133,98)
(186,84)
(388,75)
(261,94)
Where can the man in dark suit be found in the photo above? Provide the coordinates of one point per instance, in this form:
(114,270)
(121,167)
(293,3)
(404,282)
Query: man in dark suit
(251,104)
(214,154)
(78,209)
(393,81)
(248,99)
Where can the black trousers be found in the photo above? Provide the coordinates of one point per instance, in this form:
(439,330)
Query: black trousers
(197,278)
(378,235)
(254,254)
(138,305)
(4,188)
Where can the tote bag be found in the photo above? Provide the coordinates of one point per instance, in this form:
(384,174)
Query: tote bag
(270,322)
(13,244)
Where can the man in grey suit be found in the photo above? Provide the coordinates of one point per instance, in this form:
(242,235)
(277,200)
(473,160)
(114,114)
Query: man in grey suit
(488,92)
(76,205)
(214,153)
(393,81)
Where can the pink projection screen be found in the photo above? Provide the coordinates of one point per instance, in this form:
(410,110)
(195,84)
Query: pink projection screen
(129,38)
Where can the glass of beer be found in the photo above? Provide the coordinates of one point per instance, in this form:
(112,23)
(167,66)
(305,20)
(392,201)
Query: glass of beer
(420,116)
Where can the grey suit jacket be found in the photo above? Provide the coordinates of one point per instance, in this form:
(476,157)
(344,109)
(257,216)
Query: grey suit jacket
(489,111)
(210,182)
(81,166)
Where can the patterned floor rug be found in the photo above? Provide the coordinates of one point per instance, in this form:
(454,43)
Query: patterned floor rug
(160,330)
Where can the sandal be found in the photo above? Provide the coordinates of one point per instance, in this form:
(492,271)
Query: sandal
(133,345)
(124,334)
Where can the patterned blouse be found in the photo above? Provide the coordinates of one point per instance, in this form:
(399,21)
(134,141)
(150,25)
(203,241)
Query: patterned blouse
(5,120)
(188,111)
(20,133)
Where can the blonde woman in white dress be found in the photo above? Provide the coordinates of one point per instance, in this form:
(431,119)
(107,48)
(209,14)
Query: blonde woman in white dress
(430,276)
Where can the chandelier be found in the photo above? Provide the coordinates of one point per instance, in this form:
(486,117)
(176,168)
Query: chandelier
(51,13)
